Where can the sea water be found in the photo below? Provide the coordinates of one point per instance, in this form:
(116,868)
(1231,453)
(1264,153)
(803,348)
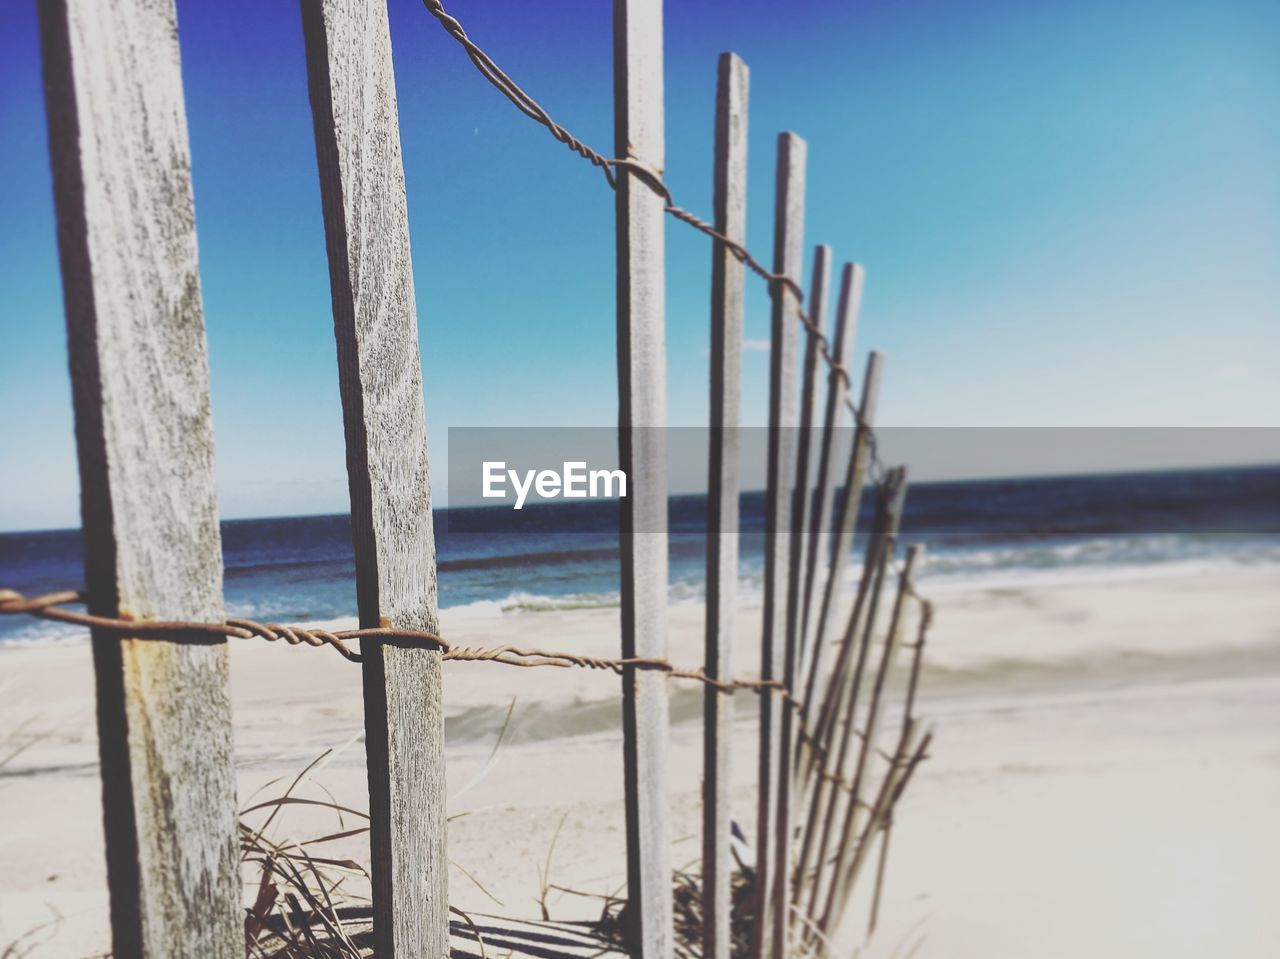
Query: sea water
(981,533)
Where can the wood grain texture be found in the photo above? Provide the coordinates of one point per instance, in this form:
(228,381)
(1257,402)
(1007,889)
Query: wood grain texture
(140,387)
(642,414)
(772,841)
(723,485)
(818,547)
(353,103)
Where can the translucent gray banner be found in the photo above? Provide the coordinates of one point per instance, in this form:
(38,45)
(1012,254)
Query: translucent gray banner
(964,482)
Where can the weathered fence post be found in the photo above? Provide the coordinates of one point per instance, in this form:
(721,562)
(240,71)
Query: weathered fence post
(817,559)
(912,748)
(727,273)
(140,389)
(908,714)
(353,103)
(819,765)
(804,497)
(870,730)
(846,523)
(642,416)
(845,684)
(772,838)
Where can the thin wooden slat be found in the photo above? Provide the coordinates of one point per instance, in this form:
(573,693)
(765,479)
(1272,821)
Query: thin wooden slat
(353,103)
(723,486)
(871,724)
(876,891)
(819,542)
(906,760)
(824,760)
(912,748)
(140,388)
(870,732)
(908,717)
(818,289)
(835,763)
(798,539)
(772,841)
(638,132)
(846,525)
(811,757)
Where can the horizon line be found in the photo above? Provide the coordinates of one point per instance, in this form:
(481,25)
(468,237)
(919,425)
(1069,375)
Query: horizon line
(1082,474)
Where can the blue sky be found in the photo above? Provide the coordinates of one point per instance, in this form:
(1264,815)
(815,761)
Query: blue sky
(1069,214)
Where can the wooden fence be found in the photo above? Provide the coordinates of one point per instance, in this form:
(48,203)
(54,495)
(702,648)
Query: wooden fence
(127,241)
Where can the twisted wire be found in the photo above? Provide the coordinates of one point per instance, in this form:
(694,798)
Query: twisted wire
(51,606)
(652,178)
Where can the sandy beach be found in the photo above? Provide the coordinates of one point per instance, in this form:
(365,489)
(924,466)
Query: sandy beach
(1104,781)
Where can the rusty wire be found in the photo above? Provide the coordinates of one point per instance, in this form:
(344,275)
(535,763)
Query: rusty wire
(50,606)
(652,178)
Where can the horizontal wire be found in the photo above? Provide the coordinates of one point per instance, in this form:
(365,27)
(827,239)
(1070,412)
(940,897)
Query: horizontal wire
(51,607)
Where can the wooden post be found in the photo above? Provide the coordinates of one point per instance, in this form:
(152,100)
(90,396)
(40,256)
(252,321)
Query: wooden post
(642,415)
(817,559)
(772,840)
(140,390)
(353,103)
(722,497)
(796,589)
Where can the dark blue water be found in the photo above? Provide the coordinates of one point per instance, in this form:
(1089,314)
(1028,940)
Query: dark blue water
(988,531)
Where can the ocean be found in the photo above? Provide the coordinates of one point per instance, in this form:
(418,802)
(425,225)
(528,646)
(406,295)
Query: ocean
(979,533)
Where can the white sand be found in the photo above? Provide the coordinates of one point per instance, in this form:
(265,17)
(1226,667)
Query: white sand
(1104,782)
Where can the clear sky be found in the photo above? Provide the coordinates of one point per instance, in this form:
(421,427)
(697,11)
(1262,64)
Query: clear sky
(1069,214)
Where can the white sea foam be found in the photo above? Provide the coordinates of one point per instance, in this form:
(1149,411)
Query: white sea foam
(38,632)
(948,568)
